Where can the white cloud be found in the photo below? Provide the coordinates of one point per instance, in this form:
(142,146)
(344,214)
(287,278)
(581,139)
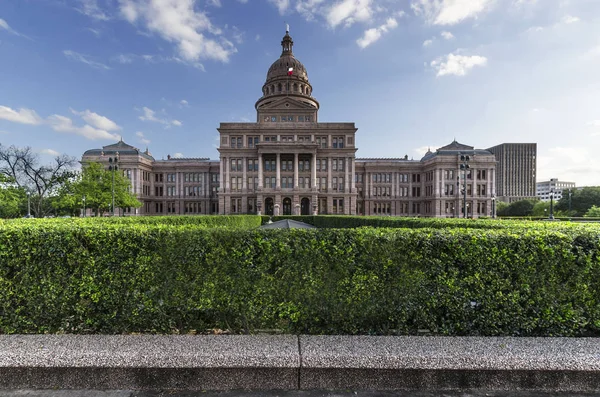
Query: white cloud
(100,122)
(595,123)
(576,164)
(51,152)
(568,19)
(458,65)
(447,35)
(92,10)
(4,25)
(23,116)
(64,124)
(153,59)
(184,103)
(282,5)
(96,32)
(349,11)
(178,155)
(257,37)
(142,137)
(177,21)
(450,12)
(427,43)
(84,59)
(372,35)
(243,1)
(214,3)
(149,115)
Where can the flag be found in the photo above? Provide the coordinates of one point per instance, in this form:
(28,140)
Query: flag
(290,71)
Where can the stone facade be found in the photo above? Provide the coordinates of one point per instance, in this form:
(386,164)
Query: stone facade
(287,162)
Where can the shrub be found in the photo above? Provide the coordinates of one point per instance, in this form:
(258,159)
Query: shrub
(118,277)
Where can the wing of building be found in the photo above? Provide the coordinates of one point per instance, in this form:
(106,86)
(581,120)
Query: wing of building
(287,162)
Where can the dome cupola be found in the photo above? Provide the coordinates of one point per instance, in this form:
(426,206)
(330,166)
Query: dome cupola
(287,77)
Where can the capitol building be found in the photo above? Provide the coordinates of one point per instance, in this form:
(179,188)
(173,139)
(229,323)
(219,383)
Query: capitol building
(289,163)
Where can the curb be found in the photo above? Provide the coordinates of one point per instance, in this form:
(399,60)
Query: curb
(287,362)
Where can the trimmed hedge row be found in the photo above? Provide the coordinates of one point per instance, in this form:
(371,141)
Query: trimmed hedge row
(118,278)
(211,221)
(345,221)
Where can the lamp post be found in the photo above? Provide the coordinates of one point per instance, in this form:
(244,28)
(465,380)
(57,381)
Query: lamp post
(28,205)
(83,199)
(493,206)
(464,166)
(113,166)
(570,193)
(551,204)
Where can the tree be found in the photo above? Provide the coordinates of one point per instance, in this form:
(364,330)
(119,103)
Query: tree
(95,184)
(518,208)
(593,212)
(11,198)
(581,200)
(22,166)
(541,208)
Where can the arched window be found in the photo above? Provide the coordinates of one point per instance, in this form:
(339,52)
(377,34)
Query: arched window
(279,87)
(295,87)
(272,89)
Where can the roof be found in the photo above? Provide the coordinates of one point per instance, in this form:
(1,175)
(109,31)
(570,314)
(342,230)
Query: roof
(122,148)
(455,148)
(287,224)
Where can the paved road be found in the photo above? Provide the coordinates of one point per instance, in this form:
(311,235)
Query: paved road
(129,393)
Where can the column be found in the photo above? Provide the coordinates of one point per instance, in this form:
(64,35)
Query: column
(222,175)
(328,176)
(296,171)
(244,177)
(393,185)
(353,176)
(278,172)
(313,171)
(227,181)
(346,176)
(260,171)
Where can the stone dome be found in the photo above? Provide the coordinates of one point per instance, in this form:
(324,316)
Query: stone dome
(280,80)
(281,66)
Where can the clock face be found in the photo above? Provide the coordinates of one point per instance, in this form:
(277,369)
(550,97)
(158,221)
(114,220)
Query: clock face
(273,118)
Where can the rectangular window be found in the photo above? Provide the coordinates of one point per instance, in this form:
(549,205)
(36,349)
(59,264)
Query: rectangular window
(334,183)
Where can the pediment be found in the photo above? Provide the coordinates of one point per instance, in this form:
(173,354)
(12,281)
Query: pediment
(287,104)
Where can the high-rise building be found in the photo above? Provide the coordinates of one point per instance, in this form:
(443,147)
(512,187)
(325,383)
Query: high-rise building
(516,170)
(288,162)
(554,186)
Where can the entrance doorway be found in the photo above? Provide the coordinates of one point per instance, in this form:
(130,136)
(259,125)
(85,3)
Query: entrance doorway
(305,206)
(269,206)
(287,206)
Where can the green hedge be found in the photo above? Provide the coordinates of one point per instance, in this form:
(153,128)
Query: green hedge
(119,278)
(345,221)
(211,221)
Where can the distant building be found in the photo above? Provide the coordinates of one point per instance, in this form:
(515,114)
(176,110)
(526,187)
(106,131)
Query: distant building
(559,188)
(290,163)
(515,171)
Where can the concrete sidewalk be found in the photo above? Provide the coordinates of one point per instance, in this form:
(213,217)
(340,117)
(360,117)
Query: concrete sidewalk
(295,363)
(129,393)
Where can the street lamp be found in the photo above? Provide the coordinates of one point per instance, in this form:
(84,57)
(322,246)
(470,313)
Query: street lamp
(464,166)
(83,199)
(113,166)
(28,205)
(551,204)
(570,193)
(493,206)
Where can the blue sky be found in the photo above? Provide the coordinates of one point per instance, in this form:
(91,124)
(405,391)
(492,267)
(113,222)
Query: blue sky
(412,74)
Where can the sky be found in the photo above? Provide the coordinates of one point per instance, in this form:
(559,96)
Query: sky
(412,74)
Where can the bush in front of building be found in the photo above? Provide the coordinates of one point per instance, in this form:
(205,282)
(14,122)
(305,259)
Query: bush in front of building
(121,278)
